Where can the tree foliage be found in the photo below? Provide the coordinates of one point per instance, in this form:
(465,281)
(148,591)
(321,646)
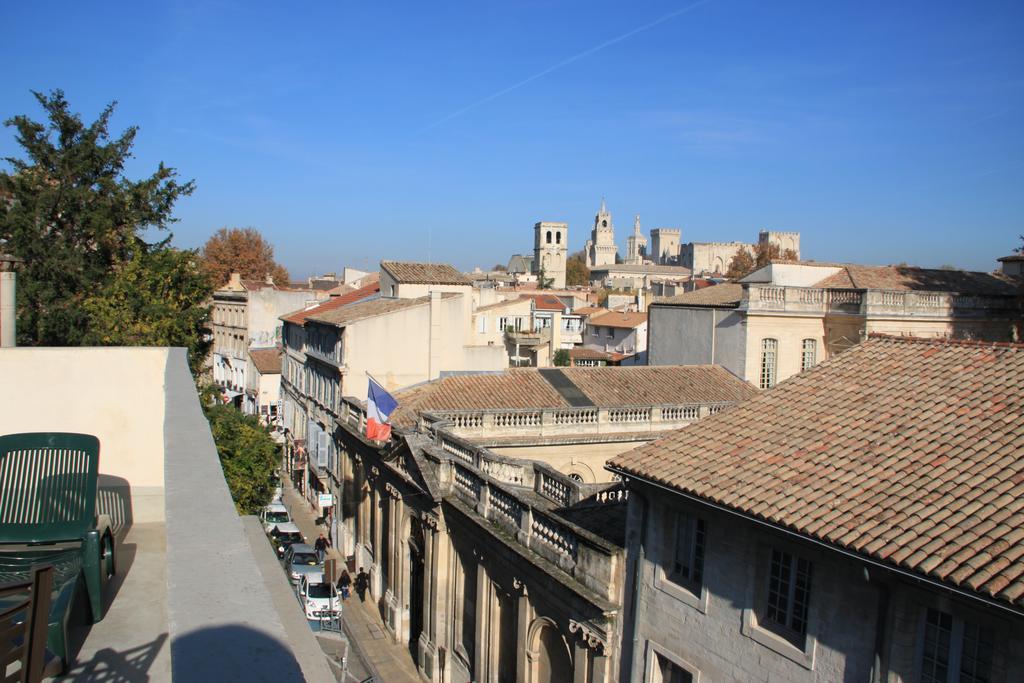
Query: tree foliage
(155,299)
(576,271)
(561,358)
(543,281)
(745,262)
(242,251)
(498,268)
(248,456)
(742,264)
(68,210)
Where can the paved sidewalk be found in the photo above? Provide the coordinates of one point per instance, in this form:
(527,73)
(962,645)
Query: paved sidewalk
(390,661)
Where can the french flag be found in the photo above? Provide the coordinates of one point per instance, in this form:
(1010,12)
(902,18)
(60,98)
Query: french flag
(379,406)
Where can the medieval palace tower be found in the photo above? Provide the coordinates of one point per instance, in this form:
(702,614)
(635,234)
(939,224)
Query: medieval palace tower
(550,250)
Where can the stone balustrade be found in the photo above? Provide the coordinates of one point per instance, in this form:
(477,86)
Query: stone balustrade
(491,485)
(553,422)
(874,302)
(352,413)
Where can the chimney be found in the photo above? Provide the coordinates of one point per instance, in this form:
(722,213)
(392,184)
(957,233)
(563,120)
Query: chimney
(434,350)
(8,305)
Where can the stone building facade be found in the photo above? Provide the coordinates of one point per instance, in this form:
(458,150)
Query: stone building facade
(665,246)
(493,559)
(851,524)
(713,258)
(243,316)
(786,317)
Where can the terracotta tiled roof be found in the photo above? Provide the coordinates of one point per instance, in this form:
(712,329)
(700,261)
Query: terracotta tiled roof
(267,361)
(547,302)
(907,451)
(728,294)
(649,384)
(604,387)
(501,304)
(424,273)
(590,310)
(921,279)
(626,321)
(299,317)
(369,309)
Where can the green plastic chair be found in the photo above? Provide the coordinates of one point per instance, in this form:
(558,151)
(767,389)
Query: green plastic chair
(48,488)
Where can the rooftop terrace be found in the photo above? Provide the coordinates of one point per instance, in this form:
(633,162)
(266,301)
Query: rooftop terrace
(189,601)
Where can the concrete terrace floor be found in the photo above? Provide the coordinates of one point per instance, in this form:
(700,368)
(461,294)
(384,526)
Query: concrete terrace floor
(388,661)
(130,644)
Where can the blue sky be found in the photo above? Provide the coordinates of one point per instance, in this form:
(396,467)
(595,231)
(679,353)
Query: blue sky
(350,132)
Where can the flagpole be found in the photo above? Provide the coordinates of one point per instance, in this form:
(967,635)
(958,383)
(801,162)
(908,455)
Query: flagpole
(379,383)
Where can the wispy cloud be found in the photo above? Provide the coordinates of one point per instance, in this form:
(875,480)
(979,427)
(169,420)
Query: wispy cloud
(566,62)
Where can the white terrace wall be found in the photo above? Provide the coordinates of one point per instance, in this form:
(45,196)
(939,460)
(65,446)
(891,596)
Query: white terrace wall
(115,393)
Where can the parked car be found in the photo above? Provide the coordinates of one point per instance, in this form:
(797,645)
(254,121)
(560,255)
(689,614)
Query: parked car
(300,559)
(318,597)
(274,514)
(283,536)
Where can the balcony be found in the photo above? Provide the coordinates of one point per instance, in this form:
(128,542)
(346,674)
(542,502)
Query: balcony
(871,302)
(198,593)
(542,509)
(554,422)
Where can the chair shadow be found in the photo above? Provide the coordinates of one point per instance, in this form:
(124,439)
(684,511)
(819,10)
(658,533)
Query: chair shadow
(118,666)
(115,500)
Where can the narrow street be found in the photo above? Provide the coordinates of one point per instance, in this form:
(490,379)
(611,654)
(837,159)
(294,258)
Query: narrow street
(386,660)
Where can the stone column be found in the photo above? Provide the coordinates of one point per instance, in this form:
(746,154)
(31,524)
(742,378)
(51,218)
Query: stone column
(590,644)
(480,636)
(523,658)
(579,663)
(8,301)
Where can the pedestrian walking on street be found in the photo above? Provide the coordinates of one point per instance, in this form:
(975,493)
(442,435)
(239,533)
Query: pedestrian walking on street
(321,546)
(362,583)
(344,583)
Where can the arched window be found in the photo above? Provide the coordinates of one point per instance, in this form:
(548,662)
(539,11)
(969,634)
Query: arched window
(769,362)
(810,354)
(549,237)
(558,238)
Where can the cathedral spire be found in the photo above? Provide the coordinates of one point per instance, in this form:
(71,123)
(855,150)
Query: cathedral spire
(636,225)
(603,209)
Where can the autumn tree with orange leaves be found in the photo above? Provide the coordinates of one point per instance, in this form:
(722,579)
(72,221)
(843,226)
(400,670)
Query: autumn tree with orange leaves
(242,251)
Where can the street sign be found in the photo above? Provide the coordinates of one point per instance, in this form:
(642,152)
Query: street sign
(326,500)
